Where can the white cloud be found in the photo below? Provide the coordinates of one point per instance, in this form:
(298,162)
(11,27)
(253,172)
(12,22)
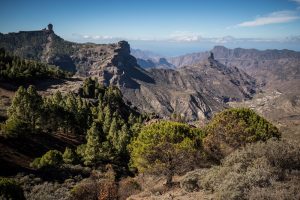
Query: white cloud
(188,37)
(94,37)
(297,1)
(272,18)
(223,40)
(184,36)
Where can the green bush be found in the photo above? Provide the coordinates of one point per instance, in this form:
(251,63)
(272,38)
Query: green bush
(167,148)
(52,158)
(236,127)
(69,156)
(9,189)
(80,151)
(15,127)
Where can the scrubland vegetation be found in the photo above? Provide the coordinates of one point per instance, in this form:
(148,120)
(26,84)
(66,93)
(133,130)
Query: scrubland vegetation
(237,155)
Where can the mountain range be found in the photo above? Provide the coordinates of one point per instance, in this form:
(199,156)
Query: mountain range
(194,86)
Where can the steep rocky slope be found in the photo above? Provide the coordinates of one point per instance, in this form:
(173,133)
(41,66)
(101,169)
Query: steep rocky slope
(269,67)
(195,92)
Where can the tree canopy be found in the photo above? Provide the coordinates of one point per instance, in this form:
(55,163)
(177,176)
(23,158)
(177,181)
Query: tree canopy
(235,127)
(166,147)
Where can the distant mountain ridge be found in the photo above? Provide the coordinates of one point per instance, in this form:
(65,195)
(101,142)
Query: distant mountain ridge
(268,66)
(148,59)
(221,52)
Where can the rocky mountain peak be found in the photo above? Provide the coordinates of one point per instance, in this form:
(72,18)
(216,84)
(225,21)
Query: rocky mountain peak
(123,47)
(50,27)
(211,56)
(219,48)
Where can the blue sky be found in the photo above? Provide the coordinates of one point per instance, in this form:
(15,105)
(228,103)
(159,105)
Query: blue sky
(169,27)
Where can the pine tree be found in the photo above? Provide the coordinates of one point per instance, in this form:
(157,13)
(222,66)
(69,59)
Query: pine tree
(25,111)
(123,140)
(34,106)
(69,156)
(131,119)
(18,104)
(57,99)
(93,145)
(107,120)
(100,116)
(71,108)
(113,133)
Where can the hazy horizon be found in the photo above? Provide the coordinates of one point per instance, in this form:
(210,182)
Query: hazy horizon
(168,27)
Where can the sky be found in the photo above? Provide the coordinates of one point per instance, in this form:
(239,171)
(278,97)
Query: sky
(168,27)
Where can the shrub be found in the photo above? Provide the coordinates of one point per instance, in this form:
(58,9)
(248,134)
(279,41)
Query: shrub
(9,189)
(128,187)
(80,151)
(50,191)
(288,190)
(233,128)
(86,189)
(95,189)
(69,156)
(190,181)
(260,167)
(52,158)
(15,127)
(167,148)
(108,190)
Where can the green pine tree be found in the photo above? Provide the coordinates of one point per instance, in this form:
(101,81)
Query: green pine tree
(93,146)
(113,133)
(123,140)
(25,111)
(107,120)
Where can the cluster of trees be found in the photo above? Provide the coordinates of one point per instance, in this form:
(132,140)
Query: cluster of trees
(107,123)
(13,68)
(30,113)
